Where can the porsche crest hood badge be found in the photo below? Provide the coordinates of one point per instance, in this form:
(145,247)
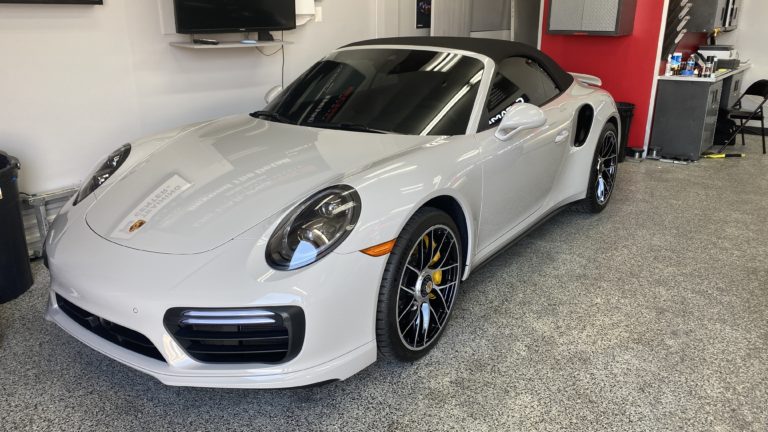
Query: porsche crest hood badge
(149,206)
(137,225)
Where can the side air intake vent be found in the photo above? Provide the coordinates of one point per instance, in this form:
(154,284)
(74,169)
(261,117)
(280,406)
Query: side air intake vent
(263,335)
(583,125)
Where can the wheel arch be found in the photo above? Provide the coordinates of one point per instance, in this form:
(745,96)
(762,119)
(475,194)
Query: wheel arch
(616,122)
(462,207)
(387,208)
(451,206)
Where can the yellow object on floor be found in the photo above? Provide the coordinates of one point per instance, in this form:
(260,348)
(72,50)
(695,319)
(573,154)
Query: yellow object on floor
(725,155)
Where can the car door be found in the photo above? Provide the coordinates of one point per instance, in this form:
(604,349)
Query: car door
(519,173)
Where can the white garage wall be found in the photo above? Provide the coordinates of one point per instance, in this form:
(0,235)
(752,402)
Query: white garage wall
(78,81)
(397,18)
(750,38)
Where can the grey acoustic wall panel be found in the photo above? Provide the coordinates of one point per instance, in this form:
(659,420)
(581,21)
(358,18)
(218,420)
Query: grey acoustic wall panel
(600,15)
(592,17)
(566,15)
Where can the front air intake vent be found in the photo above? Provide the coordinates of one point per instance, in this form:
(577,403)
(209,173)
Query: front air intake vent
(263,335)
(117,334)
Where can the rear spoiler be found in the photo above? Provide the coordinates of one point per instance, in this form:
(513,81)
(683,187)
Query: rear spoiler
(588,79)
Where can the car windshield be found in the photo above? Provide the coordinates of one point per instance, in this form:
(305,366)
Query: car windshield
(403,91)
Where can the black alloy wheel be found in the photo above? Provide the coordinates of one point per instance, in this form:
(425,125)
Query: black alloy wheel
(602,177)
(420,286)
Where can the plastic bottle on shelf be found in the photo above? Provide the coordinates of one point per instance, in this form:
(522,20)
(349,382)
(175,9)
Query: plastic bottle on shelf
(708,67)
(689,67)
(691,63)
(677,60)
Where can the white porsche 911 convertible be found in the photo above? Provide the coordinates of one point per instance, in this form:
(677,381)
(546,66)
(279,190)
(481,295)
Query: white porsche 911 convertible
(291,246)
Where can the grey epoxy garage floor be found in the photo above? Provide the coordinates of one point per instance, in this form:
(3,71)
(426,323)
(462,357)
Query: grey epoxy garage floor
(650,316)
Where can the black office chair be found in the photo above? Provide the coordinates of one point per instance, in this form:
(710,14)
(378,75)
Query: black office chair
(760,89)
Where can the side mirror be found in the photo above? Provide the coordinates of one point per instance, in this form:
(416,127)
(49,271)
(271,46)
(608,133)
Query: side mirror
(272,94)
(520,117)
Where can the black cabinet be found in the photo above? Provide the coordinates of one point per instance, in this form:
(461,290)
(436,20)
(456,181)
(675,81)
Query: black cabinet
(685,118)
(712,14)
(732,90)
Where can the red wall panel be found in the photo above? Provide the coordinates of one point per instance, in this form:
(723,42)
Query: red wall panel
(626,64)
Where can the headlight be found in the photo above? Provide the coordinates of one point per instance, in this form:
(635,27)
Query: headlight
(314,228)
(103,172)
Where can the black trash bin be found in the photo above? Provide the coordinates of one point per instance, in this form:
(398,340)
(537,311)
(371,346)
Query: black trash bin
(626,112)
(15,271)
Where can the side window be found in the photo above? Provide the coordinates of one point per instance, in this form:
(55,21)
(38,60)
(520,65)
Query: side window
(518,80)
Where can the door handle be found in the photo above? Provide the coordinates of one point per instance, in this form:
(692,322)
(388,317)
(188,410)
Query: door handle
(562,136)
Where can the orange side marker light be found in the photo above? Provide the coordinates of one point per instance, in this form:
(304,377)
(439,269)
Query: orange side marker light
(379,250)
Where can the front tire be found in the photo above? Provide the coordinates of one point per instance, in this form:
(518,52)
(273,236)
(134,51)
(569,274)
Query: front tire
(419,287)
(602,173)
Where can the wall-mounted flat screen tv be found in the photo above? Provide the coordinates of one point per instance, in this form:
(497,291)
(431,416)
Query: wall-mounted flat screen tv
(86,2)
(232,16)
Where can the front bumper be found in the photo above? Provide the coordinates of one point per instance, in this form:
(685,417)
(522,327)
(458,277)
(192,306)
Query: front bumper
(135,289)
(339,368)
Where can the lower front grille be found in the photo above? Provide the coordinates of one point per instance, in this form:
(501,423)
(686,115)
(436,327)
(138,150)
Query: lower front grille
(265,335)
(117,334)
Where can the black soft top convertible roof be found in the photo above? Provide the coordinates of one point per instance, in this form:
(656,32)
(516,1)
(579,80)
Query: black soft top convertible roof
(495,49)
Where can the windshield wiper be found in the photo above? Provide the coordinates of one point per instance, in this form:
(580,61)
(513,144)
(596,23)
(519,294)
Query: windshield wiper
(355,127)
(271,115)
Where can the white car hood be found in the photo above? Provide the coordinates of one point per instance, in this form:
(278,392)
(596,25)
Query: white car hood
(207,186)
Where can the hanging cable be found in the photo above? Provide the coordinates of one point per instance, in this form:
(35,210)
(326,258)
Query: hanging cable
(282,51)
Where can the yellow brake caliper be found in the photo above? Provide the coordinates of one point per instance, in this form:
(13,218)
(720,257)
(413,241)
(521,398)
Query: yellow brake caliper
(437,275)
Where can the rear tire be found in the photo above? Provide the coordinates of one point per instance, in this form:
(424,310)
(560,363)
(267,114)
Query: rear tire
(602,172)
(419,287)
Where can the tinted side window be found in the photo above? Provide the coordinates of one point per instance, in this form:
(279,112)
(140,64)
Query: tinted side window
(518,80)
